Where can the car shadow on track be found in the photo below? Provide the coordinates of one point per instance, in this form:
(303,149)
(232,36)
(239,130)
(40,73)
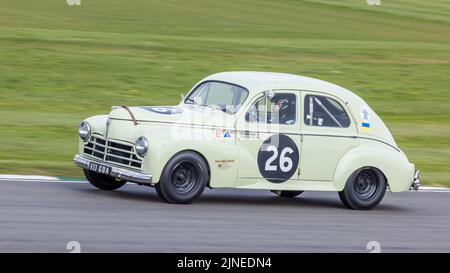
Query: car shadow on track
(215,197)
(264,200)
(305,200)
(238,197)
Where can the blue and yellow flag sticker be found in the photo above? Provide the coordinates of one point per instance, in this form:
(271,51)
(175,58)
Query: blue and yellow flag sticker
(365,117)
(365,126)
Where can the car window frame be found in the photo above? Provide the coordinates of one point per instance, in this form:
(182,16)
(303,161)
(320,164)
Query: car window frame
(261,95)
(334,98)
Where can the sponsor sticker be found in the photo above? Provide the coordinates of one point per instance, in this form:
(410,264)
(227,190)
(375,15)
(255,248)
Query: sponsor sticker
(222,134)
(224,163)
(365,118)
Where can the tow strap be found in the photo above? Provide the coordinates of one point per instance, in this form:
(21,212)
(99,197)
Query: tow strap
(131,114)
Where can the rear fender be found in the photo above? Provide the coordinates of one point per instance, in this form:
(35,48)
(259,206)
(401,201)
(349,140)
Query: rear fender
(390,161)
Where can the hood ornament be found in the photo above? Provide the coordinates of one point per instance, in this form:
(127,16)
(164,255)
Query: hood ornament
(108,122)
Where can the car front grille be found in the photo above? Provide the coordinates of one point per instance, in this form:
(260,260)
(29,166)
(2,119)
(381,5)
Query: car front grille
(112,151)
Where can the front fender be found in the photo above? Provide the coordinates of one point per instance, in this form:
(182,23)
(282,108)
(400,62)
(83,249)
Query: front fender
(97,123)
(370,153)
(166,140)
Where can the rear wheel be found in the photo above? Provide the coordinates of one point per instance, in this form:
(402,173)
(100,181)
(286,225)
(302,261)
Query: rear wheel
(183,179)
(364,189)
(288,194)
(102,181)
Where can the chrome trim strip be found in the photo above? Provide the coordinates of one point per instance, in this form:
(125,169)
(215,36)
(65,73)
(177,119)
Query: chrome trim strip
(322,135)
(115,156)
(211,127)
(107,154)
(110,147)
(379,140)
(128,175)
(124,158)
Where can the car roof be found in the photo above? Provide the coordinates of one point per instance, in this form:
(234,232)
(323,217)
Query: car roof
(257,82)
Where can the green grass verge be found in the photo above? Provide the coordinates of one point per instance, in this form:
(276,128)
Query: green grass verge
(60,64)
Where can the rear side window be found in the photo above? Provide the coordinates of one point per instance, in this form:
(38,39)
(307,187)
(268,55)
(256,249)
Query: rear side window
(325,112)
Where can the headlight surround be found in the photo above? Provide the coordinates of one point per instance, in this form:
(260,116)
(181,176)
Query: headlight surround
(84,130)
(141,146)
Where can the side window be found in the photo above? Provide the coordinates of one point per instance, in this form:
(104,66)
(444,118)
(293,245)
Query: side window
(281,109)
(257,113)
(324,111)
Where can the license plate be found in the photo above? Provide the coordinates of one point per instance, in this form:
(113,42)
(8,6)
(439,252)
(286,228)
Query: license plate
(99,168)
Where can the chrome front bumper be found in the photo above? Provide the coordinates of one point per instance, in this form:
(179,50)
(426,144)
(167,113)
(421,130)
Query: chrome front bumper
(416,182)
(128,175)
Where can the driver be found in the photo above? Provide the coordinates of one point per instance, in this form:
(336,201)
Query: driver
(281,112)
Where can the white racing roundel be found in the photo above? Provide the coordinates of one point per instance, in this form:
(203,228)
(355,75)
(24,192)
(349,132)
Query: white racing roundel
(165,110)
(278,158)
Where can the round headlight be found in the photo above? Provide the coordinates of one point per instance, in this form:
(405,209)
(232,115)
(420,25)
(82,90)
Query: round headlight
(84,130)
(141,146)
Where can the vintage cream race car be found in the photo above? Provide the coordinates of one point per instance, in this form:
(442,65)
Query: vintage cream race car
(253,130)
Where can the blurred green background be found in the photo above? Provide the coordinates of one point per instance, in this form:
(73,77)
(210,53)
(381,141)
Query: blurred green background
(61,63)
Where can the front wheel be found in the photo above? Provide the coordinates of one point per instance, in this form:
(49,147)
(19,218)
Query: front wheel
(183,179)
(364,189)
(103,182)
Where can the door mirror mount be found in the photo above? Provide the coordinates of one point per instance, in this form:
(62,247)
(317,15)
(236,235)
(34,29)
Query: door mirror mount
(269,94)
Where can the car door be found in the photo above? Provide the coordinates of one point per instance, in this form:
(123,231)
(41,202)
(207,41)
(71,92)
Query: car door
(268,139)
(328,132)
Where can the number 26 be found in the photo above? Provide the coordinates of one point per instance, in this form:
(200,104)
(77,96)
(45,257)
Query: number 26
(285,162)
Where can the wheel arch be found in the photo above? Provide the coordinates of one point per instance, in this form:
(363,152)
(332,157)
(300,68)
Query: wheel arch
(371,168)
(389,162)
(184,151)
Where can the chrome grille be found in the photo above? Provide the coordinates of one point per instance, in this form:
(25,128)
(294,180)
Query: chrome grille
(112,151)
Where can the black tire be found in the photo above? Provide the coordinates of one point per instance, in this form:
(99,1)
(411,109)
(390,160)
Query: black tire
(364,189)
(103,182)
(288,194)
(158,191)
(183,179)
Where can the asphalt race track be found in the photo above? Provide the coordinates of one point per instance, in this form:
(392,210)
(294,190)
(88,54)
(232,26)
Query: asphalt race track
(45,216)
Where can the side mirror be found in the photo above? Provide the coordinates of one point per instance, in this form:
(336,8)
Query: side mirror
(182,96)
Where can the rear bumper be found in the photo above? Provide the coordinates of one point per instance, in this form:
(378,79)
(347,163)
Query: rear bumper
(416,181)
(117,172)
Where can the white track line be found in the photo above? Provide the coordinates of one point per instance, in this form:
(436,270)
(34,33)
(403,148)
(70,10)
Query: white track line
(445,191)
(26,177)
(433,189)
(36,178)
(44,181)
